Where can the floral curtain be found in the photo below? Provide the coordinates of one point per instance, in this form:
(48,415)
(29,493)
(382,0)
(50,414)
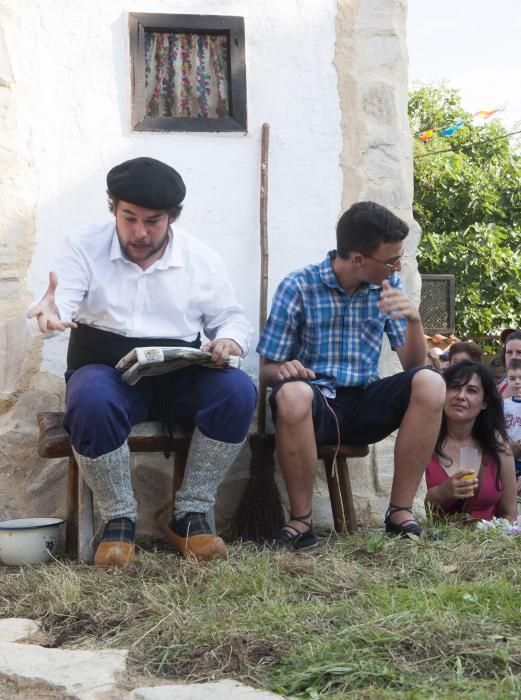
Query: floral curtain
(186,75)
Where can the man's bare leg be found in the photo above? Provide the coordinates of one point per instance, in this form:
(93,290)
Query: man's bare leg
(296,447)
(416,439)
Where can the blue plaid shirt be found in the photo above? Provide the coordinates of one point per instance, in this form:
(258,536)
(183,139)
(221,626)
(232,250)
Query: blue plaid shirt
(338,336)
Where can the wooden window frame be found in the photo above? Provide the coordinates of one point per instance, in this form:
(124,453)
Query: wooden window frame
(231,27)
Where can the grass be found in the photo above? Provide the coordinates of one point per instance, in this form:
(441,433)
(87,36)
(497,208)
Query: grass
(364,617)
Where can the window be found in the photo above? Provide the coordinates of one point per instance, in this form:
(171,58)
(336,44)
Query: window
(437,304)
(188,72)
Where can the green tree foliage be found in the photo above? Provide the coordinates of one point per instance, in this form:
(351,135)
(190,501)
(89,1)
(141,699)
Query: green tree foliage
(468,203)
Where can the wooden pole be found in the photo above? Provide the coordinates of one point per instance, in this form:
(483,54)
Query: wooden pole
(263,302)
(260,514)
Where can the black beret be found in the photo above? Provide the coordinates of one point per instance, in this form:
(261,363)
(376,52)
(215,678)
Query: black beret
(146,182)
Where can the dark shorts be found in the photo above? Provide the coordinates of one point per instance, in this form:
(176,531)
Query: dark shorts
(365,415)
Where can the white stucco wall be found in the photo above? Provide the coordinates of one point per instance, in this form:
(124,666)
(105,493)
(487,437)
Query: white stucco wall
(70,65)
(329,76)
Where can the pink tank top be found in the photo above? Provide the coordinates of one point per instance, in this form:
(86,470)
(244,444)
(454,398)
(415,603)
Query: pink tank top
(484,506)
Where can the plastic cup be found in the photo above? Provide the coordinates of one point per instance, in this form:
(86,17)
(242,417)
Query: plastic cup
(469,458)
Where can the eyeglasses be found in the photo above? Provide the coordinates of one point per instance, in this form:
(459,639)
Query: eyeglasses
(392,264)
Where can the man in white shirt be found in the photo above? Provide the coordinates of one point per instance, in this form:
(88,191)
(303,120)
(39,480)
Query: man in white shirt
(138,281)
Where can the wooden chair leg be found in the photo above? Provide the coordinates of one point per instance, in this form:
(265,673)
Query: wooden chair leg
(335,497)
(85,522)
(341,496)
(347,494)
(71,518)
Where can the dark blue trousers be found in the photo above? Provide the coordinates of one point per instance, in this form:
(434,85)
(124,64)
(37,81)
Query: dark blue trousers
(101,409)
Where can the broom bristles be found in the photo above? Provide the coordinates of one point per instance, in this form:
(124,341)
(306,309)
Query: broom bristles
(260,514)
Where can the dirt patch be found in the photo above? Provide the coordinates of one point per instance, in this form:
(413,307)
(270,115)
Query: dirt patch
(235,655)
(70,630)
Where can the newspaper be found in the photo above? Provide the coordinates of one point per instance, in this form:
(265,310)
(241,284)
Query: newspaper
(145,362)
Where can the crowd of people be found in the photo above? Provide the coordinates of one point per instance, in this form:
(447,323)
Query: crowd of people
(140,280)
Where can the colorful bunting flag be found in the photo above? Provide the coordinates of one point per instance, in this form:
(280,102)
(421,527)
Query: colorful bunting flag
(449,130)
(427,135)
(486,113)
(452,128)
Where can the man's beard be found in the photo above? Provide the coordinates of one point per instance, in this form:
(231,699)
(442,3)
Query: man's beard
(138,253)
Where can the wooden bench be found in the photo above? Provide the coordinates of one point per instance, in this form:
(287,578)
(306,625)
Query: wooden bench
(53,442)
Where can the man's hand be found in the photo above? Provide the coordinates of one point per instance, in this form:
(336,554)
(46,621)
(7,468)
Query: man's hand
(221,349)
(293,369)
(396,304)
(46,311)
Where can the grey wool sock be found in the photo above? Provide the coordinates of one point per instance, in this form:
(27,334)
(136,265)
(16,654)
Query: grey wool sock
(108,477)
(207,463)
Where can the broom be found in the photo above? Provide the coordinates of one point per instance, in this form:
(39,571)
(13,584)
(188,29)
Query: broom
(260,515)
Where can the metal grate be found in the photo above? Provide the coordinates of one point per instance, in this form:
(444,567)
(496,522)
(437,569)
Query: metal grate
(437,304)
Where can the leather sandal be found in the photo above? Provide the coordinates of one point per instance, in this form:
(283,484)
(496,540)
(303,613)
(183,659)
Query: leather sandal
(290,538)
(408,527)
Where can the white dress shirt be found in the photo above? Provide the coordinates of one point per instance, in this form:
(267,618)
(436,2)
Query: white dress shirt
(184,292)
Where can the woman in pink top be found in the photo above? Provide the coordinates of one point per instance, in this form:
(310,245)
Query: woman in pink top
(472,417)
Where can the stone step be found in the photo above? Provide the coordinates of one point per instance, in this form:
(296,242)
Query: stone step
(29,671)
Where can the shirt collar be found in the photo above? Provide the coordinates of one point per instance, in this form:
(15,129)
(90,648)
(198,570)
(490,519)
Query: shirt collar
(328,276)
(326,271)
(172,257)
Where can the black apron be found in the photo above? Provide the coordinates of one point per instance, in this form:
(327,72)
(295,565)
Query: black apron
(93,346)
